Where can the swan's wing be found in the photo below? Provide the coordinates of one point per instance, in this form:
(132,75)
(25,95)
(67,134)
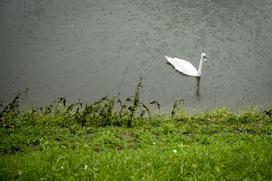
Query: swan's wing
(185,66)
(182,66)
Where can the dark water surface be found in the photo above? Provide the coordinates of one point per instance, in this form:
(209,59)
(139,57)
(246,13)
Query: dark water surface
(87,49)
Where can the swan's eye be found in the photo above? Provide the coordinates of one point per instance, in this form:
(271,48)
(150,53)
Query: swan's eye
(204,56)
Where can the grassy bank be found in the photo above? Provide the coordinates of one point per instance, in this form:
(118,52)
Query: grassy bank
(99,142)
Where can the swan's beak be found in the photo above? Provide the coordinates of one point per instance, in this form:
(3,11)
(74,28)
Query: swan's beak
(205,58)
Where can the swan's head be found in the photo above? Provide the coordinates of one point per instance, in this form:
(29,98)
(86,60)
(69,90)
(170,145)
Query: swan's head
(204,57)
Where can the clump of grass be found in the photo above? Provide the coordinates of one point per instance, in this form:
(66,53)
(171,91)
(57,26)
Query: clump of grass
(176,107)
(104,112)
(137,105)
(99,113)
(11,110)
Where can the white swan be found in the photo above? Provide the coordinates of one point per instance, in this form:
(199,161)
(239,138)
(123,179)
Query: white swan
(186,67)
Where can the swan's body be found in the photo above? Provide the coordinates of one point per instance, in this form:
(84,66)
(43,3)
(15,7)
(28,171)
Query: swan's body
(186,67)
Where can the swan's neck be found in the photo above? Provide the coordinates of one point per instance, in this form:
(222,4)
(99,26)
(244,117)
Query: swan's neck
(200,67)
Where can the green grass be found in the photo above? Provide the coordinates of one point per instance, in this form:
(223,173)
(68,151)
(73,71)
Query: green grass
(99,142)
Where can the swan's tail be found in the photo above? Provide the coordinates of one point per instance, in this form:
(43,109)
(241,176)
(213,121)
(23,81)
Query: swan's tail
(170,60)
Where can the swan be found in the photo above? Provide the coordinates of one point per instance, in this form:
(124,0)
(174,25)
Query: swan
(186,67)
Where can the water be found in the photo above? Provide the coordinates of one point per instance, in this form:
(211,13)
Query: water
(87,49)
